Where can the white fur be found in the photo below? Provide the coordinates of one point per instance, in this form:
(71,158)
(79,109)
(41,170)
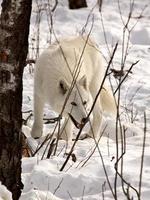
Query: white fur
(53,77)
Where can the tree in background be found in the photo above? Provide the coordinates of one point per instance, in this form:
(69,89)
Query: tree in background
(75,4)
(99,2)
(14,30)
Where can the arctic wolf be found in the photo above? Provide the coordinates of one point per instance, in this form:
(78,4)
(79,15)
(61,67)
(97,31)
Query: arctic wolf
(68,76)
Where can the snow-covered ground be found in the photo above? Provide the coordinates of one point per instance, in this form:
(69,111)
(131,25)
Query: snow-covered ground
(87,176)
(4,193)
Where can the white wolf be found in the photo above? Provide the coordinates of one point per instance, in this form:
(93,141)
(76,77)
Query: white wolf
(56,69)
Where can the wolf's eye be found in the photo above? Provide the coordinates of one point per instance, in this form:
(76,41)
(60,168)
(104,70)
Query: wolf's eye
(73,103)
(84,103)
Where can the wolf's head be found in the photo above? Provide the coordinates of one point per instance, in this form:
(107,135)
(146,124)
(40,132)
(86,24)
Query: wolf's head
(79,99)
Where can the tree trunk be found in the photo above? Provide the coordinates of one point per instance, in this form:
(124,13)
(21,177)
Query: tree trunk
(100,2)
(14,30)
(75,4)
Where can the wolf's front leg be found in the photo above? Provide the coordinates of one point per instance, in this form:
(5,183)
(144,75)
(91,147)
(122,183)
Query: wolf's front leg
(67,130)
(95,125)
(38,117)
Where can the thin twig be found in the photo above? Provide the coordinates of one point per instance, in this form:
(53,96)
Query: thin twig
(58,186)
(126,75)
(72,148)
(143,154)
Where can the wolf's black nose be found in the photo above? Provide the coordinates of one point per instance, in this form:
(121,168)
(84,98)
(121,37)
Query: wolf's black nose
(84,120)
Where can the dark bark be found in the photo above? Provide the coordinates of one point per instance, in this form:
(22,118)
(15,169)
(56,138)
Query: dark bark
(76,4)
(100,2)
(14,30)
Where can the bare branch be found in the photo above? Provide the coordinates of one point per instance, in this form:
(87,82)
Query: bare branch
(128,71)
(143,152)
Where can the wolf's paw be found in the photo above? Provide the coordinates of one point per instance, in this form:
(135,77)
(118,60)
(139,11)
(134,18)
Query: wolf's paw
(36,132)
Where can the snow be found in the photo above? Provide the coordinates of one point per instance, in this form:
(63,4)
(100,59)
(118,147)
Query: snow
(36,194)
(144,40)
(4,193)
(86,178)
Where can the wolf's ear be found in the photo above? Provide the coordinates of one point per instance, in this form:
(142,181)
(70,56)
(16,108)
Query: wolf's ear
(83,82)
(63,85)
